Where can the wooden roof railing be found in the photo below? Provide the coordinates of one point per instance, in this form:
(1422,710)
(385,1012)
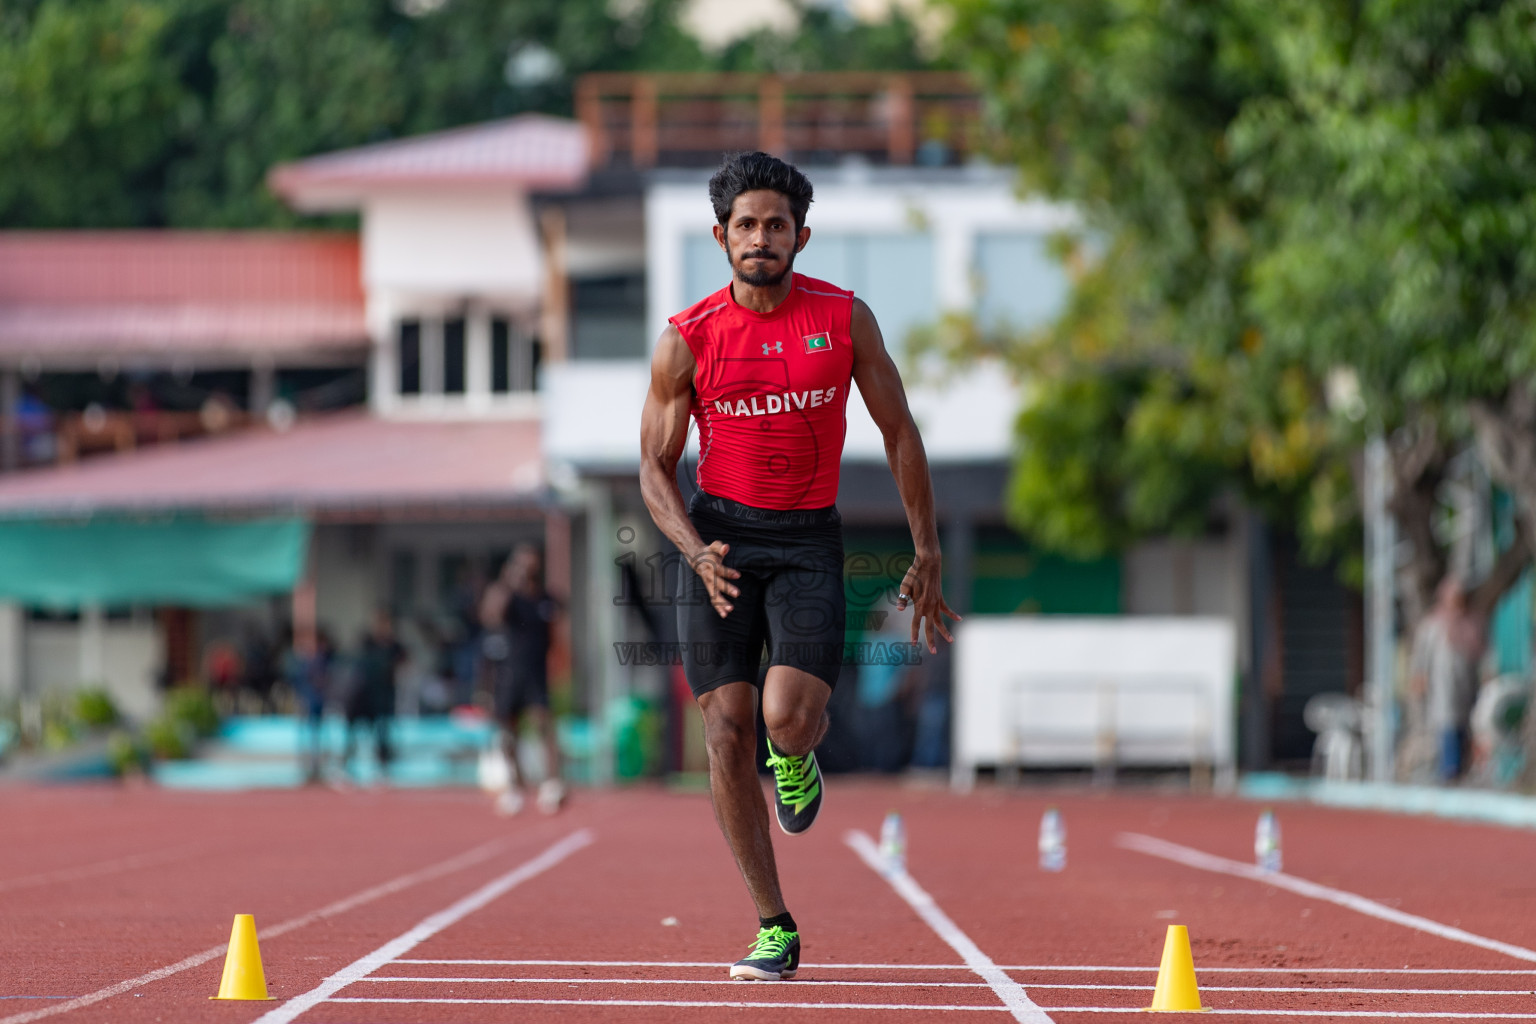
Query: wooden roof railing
(679,119)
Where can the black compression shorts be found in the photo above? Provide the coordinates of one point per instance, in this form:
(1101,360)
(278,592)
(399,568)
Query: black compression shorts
(792,602)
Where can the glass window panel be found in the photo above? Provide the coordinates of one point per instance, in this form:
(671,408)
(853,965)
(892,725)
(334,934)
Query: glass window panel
(410,357)
(894,274)
(608,317)
(501,356)
(453,356)
(1020,283)
(831,258)
(705,269)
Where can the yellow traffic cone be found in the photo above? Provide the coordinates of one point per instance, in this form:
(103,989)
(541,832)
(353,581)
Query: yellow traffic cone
(243,976)
(1177,991)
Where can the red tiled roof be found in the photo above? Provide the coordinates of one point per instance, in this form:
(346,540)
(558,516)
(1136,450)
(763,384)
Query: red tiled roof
(349,461)
(145,292)
(532,151)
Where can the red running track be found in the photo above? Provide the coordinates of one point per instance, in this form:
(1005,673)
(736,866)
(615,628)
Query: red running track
(378,906)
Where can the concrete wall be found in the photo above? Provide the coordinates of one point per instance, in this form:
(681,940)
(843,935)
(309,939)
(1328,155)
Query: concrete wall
(130,658)
(12,660)
(452,243)
(1191,577)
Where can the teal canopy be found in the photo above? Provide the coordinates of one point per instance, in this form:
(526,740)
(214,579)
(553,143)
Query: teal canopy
(175,560)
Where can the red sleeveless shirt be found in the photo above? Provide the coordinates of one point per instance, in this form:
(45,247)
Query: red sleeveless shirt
(770,394)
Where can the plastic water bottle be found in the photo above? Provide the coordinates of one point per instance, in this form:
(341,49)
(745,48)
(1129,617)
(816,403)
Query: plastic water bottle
(1053,841)
(893,842)
(1266,842)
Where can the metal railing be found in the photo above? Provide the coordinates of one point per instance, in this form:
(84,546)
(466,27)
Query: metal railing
(1187,738)
(652,120)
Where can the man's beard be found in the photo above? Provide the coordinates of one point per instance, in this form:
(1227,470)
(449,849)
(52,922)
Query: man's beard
(762,277)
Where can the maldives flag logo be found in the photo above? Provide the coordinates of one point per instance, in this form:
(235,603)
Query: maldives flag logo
(818,342)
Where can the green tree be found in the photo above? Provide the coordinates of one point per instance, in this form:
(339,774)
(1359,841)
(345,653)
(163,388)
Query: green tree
(171,112)
(1403,168)
(1299,198)
(1154,399)
(88,110)
(296,77)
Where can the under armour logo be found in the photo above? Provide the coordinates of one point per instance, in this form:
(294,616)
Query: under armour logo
(769,350)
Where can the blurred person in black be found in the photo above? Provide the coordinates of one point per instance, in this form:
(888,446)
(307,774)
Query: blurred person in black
(517,613)
(307,672)
(371,702)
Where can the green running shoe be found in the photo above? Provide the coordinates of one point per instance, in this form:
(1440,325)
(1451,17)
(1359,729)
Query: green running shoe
(796,790)
(775,956)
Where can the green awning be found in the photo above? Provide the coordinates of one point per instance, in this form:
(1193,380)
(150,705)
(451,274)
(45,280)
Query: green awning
(175,560)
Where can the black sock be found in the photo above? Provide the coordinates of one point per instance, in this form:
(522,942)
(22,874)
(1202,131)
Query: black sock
(785,920)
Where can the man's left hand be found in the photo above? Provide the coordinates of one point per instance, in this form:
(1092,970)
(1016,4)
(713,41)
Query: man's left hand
(922,587)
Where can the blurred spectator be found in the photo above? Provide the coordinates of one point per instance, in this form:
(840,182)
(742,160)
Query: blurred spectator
(464,649)
(1442,680)
(517,613)
(259,666)
(35,421)
(221,667)
(307,673)
(371,702)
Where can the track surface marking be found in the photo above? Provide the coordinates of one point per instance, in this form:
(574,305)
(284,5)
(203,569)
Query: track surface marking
(423,931)
(1302,887)
(641,926)
(463,860)
(1005,988)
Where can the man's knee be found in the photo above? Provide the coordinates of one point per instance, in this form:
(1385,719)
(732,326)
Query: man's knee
(794,727)
(730,737)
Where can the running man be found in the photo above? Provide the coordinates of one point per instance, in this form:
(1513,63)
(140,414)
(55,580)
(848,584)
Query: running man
(763,366)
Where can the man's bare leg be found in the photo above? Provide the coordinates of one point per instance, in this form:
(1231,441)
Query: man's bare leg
(795,710)
(730,735)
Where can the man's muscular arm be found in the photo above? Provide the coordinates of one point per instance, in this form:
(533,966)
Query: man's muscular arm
(880,385)
(663,432)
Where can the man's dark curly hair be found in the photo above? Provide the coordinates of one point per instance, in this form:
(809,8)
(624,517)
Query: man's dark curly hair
(748,172)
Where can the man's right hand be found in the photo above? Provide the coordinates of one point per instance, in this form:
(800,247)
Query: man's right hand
(709,563)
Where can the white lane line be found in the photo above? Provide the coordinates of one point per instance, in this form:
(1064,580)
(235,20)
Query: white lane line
(907,983)
(743,1005)
(682,1003)
(709,963)
(1005,988)
(427,928)
(1369,1014)
(1067,968)
(1312,890)
(458,863)
(734,983)
(105,867)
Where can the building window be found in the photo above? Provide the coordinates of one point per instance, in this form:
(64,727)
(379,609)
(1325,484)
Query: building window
(410,357)
(514,358)
(608,317)
(453,357)
(894,272)
(501,356)
(1020,284)
(470,357)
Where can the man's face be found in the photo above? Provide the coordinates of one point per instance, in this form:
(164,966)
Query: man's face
(760,238)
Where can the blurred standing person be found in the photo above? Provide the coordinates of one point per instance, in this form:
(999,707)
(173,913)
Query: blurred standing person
(371,704)
(307,673)
(1442,675)
(468,591)
(518,613)
(258,660)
